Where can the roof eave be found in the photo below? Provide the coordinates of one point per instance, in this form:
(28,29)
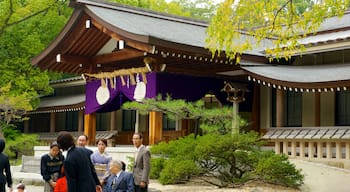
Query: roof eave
(73,20)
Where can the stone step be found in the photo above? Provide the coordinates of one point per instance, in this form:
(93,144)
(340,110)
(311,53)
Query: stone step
(26,178)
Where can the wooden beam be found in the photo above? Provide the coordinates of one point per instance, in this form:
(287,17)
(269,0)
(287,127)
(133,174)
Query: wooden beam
(74,59)
(132,43)
(116,56)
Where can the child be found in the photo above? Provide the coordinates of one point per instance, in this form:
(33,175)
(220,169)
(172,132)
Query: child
(61,183)
(20,188)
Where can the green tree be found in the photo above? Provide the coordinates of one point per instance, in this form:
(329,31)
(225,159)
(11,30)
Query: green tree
(200,9)
(281,21)
(26,28)
(217,156)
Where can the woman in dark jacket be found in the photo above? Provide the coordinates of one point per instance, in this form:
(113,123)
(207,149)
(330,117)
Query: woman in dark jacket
(50,167)
(4,168)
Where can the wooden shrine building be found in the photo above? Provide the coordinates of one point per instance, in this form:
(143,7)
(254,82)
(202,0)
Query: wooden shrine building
(115,48)
(125,53)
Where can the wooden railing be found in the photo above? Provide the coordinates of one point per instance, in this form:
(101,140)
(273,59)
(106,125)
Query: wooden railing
(47,137)
(327,144)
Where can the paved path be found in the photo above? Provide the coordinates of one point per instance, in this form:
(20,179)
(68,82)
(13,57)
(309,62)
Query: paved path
(323,178)
(318,178)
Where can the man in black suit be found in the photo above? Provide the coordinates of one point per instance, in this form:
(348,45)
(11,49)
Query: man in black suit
(4,168)
(80,172)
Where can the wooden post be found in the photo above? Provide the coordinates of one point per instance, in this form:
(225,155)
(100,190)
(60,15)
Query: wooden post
(90,127)
(302,149)
(285,147)
(319,150)
(338,153)
(347,150)
(329,150)
(26,126)
(112,121)
(293,149)
(317,109)
(279,107)
(311,149)
(52,122)
(256,109)
(155,127)
(80,121)
(277,147)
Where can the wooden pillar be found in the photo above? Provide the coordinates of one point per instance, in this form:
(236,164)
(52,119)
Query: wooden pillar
(137,122)
(26,126)
(347,150)
(302,149)
(319,150)
(256,108)
(52,122)
(90,127)
(277,147)
(338,154)
(293,152)
(311,149)
(285,147)
(112,121)
(329,150)
(80,121)
(280,107)
(155,127)
(317,109)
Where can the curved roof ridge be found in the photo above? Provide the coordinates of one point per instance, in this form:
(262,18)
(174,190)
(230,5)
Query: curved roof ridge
(144,12)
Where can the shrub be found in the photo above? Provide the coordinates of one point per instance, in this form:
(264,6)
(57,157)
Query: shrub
(230,160)
(157,164)
(178,171)
(18,144)
(277,169)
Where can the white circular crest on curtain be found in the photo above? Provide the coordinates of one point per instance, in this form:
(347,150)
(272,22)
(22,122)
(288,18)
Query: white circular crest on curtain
(140,91)
(102,95)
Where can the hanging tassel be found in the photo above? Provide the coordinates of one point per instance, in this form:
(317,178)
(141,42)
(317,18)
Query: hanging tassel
(144,78)
(132,79)
(112,83)
(122,79)
(103,83)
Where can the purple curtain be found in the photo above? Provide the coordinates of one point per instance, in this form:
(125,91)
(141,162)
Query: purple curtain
(177,86)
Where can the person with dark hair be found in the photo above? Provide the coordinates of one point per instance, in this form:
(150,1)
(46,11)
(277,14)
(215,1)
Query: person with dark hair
(80,172)
(142,164)
(4,168)
(101,159)
(82,142)
(50,166)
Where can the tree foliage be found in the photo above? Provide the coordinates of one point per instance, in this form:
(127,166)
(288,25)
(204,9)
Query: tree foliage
(26,28)
(281,21)
(217,120)
(218,156)
(200,9)
(17,143)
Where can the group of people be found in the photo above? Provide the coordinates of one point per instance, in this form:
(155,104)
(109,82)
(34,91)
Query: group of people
(77,170)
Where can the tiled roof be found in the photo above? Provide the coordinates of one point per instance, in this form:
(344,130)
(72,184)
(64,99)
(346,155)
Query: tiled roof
(307,133)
